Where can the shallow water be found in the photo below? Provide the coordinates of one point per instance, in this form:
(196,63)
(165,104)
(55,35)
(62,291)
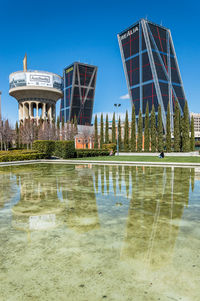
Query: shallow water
(84,232)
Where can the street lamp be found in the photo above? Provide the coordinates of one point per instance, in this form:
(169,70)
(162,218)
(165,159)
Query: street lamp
(117,105)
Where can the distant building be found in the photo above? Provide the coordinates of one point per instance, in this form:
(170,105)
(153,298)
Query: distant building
(196,117)
(78,93)
(151,68)
(85,137)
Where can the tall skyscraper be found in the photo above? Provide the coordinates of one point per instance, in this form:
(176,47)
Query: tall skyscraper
(151,68)
(78,93)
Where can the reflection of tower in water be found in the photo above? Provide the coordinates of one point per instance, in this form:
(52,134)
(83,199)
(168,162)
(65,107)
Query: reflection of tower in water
(81,213)
(39,207)
(159,196)
(110,179)
(47,198)
(7,187)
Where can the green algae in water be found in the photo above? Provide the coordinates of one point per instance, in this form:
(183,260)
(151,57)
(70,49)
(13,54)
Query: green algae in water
(75,232)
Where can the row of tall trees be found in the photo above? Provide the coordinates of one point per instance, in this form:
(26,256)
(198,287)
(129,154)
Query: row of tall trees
(6,134)
(148,133)
(30,130)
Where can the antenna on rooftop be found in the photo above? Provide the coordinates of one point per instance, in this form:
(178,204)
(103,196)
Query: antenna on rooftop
(25,63)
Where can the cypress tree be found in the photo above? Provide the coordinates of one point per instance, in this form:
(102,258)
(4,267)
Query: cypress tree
(146,130)
(63,123)
(101,132)
(63,129)
(106,131)
(185,129)
(57,126)
(126,133)
(113,130)
(119,134)
(133,132)
(68,131)
(95,132)
(160,130)
(153,131)
(17,134)
(192,139)
(177,128)
(75,125)
(139,133)
(168,134)
(36,128)
(72,128)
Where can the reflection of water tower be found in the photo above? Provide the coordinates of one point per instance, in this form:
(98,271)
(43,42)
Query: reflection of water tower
(36,93)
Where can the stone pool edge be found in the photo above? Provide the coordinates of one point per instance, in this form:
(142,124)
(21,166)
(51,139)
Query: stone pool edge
(96,162)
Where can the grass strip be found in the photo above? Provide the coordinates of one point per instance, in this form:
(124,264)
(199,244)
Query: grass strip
(142,159)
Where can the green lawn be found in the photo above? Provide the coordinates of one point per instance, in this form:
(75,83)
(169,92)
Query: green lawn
(143,159)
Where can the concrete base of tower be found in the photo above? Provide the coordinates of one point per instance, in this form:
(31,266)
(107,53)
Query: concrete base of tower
(45,110)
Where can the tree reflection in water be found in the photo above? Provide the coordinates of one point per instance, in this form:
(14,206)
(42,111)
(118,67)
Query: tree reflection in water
(156,207)
(8,187)
(51,196)
(157,201)
(49,199)
(102,241)
(39,207)
(81,211)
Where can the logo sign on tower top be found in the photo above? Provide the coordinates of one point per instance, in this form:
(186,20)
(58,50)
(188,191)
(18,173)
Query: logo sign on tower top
(129,33)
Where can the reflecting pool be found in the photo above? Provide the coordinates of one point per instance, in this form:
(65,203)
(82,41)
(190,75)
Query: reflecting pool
(86,232)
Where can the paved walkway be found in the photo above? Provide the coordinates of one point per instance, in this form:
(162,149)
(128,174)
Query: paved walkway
(96,162)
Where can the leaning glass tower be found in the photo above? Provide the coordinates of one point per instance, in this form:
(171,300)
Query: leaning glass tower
(78,93)
(151,68)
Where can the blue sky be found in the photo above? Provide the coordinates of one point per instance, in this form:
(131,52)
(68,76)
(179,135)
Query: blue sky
(56,33)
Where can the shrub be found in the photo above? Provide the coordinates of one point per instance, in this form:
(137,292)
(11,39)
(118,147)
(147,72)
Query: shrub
(64,149)
(15,148)
(110,146)
(21,157)
(13,152)
(44,146)
(81,153)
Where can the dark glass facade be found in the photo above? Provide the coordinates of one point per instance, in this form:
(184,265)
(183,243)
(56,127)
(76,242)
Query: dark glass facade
(78,93)
(151,68)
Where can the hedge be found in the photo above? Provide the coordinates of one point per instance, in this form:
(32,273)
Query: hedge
(61,149)
(64,149)
(21,157)
(81,153)
(45,146)
(109,146)
(17,152)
